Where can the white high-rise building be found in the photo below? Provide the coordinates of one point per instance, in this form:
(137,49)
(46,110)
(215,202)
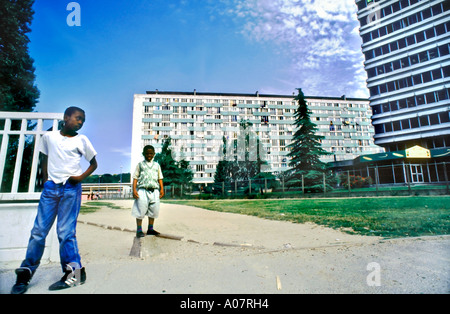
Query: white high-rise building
(198,122)
(406,47)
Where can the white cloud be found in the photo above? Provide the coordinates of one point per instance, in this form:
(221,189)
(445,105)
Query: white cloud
(316,35)
(122,151)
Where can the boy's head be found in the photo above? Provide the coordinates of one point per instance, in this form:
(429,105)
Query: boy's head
(74,118)
(148,152)
(69,111)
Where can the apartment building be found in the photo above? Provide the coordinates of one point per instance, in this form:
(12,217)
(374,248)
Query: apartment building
(197,123)
(407,59)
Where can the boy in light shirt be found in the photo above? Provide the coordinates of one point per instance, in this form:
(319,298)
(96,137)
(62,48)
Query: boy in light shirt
(146,180)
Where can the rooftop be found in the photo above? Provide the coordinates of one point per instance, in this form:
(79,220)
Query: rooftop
(256,94)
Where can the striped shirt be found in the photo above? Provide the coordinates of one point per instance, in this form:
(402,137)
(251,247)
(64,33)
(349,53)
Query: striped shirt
(148,175)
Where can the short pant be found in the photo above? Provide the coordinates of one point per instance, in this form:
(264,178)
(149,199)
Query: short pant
(146,205)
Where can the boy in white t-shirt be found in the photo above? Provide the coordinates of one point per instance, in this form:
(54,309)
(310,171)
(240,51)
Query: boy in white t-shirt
(61,196)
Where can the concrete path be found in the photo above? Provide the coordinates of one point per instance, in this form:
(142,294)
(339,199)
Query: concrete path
(206,252)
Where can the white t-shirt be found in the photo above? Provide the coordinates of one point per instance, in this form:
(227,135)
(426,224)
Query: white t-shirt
(64,154)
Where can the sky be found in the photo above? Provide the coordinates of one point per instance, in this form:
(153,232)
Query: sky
(122,48)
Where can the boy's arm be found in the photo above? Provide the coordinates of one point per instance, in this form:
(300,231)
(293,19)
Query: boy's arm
(44,167)
(135,193)
(161,190)
(87,173)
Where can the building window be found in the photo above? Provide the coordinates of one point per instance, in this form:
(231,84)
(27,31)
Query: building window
(379,129)
(444,117)
(405,124)
(411,102)
(434,119)
(414,122)
(420,100)
(426,77)
(424,121)
(388,127)
(430,98)
(393,105)
(446,71)
(437,74)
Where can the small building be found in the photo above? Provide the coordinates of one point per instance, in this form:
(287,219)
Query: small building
(415,165)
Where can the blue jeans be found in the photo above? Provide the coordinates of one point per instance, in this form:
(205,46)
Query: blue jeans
(62,200)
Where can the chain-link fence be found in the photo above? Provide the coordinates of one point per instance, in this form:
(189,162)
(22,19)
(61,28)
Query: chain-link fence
(380,180)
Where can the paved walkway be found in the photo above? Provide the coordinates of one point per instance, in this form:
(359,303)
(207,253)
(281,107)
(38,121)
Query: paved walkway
(203,252)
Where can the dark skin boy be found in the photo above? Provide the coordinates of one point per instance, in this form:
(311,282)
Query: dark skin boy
(72,124)
(148,155)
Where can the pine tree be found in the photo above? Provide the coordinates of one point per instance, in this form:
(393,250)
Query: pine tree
(185,174)
(306,149)
(248,162)
(167,163)
(174,172)
(17,89)
(222,173)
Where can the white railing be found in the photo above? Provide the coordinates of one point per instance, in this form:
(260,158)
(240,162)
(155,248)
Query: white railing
(32,126)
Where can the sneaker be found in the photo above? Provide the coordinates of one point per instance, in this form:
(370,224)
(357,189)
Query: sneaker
(152,232)
(24,276)
(140,234)
(72,277)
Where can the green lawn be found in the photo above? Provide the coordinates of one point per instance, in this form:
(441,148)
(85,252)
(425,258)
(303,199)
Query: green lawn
(382,216)
(93,206)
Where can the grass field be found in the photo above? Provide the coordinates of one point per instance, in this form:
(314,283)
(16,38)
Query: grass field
(388,217)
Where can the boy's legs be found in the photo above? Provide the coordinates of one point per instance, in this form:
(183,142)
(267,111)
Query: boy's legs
(68,210)
(151,222)
(139,232)
(151,230)
(153,212)
(138,211)
(47,210)
(146,205)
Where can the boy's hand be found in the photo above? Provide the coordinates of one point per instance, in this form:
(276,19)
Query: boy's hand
(135,194)
(161,193)
(75,180)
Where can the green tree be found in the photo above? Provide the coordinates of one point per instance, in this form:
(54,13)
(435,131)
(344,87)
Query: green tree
(17,89)
(248,160)
(177,173)
(108,178)
(223,170)
(185,174)
(222,173)
(306,150)
(167,163)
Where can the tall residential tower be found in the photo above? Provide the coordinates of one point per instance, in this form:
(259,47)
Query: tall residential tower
(407,59)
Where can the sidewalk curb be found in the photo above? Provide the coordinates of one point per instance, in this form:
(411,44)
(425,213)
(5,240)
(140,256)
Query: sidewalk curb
(137,246)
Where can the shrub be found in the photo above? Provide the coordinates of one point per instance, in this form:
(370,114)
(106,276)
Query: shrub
(355,181)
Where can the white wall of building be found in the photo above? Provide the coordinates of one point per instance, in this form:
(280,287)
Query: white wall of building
(196,123)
